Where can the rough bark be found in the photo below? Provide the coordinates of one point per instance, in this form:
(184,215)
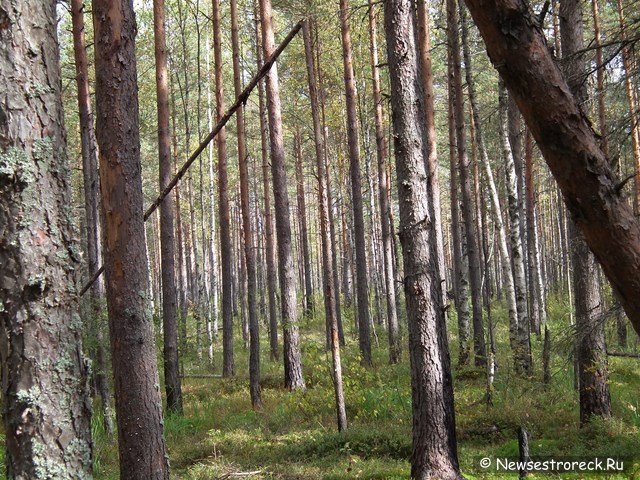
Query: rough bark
(247,224)
(89,150)
(591,350)
(226,250)
(362,282)
(293,378)
(142,449)
(434,439)
(328,279)
(518,49)
(473,254)
(46,402)
(173,387)
(383,181)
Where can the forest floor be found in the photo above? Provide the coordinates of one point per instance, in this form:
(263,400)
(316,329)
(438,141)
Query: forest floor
(295,436)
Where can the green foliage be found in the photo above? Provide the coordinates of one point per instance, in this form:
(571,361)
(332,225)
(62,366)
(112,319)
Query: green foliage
(295,436)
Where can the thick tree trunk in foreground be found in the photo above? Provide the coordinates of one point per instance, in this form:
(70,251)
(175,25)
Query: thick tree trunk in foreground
(167,213)
(293,378)
(567,141)
(328,279)
(89,149)
(39,321)
(434,438)
(383,185)
(591,350)
(143,454)
(247,225)
(226,250)
(362,282)
(479,347)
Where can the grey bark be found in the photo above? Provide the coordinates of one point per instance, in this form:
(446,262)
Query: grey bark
(46,402)
(434,452)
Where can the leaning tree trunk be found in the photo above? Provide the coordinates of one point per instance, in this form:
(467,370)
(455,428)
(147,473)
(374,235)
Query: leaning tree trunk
(45,374)
(293,378)
(226,250)
(522,343)
(328,279)
(568,143)
(91,190)
(143,453)
(591,350)
(173,387)
(362,283)
(383,181)
(479,347)
(247,224)
(434,438)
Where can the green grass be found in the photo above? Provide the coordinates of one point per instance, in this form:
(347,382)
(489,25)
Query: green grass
(295,436)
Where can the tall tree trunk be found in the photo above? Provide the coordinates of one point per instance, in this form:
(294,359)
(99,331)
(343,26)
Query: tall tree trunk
(465,187)
(328,279)
(332,229)
(591,350)
(523,351)
(480,351)
(173,387)
(536,288)
(226,250)
(293,378)
(383,181)
(91,190)
(632,100)
(434,438)
(45,374)
(364,336)
(270,248)
(570,147)
(247,224)
(507,272)
(424,50)
(460,273)
(143,452)
(302,215)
